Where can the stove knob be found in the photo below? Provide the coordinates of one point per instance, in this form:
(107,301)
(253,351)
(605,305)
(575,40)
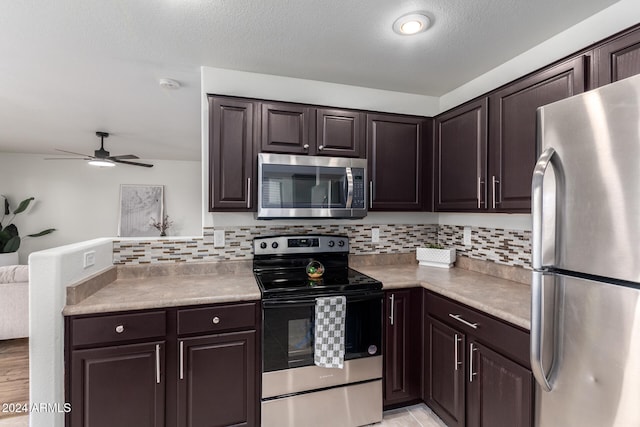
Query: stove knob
(341,243)
(263,245)
(274,245)
(331,243)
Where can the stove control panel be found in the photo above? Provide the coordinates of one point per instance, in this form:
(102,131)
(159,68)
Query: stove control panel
(296,244)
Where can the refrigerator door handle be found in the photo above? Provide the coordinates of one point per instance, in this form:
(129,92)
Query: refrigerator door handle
(537,328)
(536,206)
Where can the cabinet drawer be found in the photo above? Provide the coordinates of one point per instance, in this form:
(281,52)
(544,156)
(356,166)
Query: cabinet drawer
(495,333)
(118,327)
(217,318)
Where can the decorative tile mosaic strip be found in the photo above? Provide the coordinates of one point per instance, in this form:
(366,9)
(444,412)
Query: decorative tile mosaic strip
(509,247)
(394,238)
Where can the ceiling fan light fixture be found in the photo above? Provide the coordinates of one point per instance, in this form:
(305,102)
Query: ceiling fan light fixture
(411,24)
(102,163)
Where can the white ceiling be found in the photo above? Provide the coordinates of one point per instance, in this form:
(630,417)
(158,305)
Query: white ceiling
(71,67)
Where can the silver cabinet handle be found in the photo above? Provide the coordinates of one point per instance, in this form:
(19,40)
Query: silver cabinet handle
(157,363)
(479,192)
(321,147)
(305,146)
(494,182)
(370,194)
(181,360)
(461,320)
(215,320)
(248,193)
(119,329)
(392,298)
(456,340)
(472,374)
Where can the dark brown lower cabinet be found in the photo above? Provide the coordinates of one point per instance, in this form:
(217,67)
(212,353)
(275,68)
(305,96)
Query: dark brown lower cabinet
(193,366)
(217,373)
(476,367)
(402,367)
(118,386)
(444,371)
(500,390)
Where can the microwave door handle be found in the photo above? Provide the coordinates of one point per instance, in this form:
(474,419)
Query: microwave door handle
(349,189)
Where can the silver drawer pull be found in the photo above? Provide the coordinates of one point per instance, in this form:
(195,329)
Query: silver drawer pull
(216,320)
(119,329)
(461,320)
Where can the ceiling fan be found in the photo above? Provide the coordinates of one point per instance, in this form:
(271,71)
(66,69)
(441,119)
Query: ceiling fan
(102,157)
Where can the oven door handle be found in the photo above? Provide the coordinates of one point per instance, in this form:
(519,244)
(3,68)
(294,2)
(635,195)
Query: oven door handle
(305,302)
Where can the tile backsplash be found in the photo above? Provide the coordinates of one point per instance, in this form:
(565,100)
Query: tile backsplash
(508,247)
(394,238)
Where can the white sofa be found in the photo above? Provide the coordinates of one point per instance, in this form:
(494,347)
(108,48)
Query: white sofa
(14,302)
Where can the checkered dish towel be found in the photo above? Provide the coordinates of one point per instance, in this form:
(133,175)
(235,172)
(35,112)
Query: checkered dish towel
(329,339)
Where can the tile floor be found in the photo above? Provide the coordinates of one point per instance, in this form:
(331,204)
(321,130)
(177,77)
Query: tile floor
(410,416)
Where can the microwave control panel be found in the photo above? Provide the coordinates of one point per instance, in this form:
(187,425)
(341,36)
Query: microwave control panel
(358,189)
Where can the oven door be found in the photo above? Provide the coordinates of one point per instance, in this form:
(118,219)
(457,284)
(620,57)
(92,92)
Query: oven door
(289,325)
(307,186)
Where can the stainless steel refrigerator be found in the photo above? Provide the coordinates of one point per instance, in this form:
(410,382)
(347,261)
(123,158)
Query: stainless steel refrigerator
(585,311)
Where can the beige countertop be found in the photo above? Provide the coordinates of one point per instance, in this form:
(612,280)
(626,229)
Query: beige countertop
(504,299)
(168,291)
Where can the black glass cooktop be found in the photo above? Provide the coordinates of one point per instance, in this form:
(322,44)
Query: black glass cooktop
(287,282)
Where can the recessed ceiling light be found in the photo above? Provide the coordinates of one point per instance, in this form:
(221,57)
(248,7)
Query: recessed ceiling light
(411,23)
(102,163)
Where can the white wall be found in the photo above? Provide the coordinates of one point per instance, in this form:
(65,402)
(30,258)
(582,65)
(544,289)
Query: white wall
(81,201)
(50,272)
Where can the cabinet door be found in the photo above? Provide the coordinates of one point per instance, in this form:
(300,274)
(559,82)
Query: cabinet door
(512,132)
(499,391)
(460,165)
(444,370)
(402,346)
(339,133)
(618,58)
(231,160)
(285,128)
(118,386)
(396,150)
(217,380)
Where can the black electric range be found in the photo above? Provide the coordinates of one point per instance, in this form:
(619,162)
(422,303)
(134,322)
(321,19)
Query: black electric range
(280,262)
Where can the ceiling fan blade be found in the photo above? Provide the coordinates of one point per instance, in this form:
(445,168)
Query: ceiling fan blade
(146,165)
(67,158)
(72,152)
(124,157)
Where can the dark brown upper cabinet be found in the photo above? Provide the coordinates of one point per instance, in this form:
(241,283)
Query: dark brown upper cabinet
(232,162)
(339,133)
(512,131)
(460,166)
(285,128)
(398,150)
(618,58)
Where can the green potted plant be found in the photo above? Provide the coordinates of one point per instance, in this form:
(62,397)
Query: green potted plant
(9,236)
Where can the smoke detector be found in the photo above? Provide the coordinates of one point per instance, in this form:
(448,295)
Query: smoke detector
(169,84)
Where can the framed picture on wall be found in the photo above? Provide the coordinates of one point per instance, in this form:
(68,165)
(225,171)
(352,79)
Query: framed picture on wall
(139,206)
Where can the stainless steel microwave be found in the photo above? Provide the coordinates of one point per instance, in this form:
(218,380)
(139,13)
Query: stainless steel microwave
(311,187)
